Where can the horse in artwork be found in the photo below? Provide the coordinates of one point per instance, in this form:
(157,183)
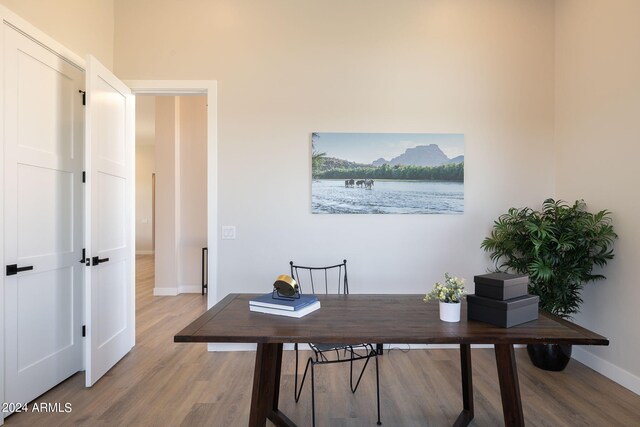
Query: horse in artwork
(368,183)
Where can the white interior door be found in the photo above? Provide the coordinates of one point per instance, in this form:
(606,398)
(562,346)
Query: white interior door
(43,134)
(109,209)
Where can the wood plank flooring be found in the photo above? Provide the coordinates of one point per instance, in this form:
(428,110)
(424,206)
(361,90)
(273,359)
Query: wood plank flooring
(160,383)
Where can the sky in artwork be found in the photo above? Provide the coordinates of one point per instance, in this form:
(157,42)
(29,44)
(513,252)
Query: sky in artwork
(368,147)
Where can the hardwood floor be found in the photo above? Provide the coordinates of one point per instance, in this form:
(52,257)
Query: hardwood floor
(160,383)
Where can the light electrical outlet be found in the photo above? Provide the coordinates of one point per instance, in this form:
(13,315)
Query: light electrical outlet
(228,232)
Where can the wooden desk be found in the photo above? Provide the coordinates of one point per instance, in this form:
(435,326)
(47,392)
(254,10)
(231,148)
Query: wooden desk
(377,319)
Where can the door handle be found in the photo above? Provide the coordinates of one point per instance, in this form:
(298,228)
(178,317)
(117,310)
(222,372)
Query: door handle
(13,269)
(97,260)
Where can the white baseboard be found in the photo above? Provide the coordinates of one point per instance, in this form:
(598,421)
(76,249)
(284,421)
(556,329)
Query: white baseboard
(190,289)
(164,292)
(433,346)
(231,346)
(614,373)
(252,347)
(145,252)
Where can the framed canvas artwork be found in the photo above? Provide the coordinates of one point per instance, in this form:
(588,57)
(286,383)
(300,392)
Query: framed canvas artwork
(387,173)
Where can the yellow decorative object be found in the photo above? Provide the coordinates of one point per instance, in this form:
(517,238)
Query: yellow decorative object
(286,286)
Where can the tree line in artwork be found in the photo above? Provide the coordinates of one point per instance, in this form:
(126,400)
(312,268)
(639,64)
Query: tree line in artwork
(447,172)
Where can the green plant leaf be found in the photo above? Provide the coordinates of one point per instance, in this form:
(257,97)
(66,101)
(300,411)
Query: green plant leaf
(557,247)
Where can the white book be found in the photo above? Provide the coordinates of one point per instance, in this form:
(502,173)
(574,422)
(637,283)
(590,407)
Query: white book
(293,304)
(298,313)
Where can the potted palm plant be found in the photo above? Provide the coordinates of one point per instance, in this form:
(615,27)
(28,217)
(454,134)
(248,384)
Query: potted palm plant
(558,248)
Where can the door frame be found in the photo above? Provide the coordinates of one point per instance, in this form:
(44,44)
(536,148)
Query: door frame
(210,89)
(2,20)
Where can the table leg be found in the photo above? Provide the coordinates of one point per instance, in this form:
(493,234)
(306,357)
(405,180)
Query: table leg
(266,385)
(509,387)
(466,415)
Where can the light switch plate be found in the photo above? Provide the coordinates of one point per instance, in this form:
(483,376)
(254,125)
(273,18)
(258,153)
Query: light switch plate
(228,232)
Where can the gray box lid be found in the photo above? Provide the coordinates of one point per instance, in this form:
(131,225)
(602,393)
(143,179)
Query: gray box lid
(501,279)
(506,305)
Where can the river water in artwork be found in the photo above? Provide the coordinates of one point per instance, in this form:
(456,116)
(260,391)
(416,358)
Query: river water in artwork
(387,197)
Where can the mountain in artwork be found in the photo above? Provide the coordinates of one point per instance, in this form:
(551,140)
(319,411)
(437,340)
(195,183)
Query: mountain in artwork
(422,155)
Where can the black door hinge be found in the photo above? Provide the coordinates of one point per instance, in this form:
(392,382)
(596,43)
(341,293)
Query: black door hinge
(84,176)
(84,330)
(84,260)
(84,97)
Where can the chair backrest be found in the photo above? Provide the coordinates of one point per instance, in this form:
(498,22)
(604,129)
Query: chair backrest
(328,280)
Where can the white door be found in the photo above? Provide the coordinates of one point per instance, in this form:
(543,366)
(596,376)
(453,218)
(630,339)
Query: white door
(43,134)
(109,213)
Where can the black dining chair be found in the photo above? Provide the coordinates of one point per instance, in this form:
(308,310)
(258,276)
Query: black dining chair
(330,280)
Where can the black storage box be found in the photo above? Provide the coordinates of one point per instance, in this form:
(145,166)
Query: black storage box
(507,313)
(501,286)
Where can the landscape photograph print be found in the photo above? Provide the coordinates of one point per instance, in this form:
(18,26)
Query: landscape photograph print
(387,173)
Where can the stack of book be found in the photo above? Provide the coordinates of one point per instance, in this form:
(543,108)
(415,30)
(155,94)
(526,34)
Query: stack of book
(295,307)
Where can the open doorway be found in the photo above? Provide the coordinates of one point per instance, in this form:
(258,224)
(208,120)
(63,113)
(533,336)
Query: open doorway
(181,88)
(171,189)
(171,184)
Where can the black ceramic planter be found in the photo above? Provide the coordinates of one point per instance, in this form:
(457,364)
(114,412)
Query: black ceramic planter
(550,357)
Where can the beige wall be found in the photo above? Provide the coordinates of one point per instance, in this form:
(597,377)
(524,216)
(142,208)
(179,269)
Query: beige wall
(181,192)
(288,68)
(598,134)
(84,26)
(193,191)
(145,167)
(167,216)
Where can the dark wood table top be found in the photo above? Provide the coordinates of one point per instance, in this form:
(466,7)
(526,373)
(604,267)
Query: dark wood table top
(372,318)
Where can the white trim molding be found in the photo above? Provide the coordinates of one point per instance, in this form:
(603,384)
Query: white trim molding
(165,292)
(3,18)
(231,346)
(197,289)
(16,22)
(614,373)
(210,89)
(222,347)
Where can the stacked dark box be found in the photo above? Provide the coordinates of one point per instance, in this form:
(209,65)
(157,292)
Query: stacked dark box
(501,299)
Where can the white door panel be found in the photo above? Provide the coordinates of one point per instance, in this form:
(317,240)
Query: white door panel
(35,293)
(111,213)
(109,228)
(111,105)
(45,207)
(43,132)
(112,294)
(46,93)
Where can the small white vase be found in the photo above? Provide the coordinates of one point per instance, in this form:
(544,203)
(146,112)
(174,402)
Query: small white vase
(450,311)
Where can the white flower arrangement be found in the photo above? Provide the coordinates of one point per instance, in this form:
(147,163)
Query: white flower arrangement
(452,291)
